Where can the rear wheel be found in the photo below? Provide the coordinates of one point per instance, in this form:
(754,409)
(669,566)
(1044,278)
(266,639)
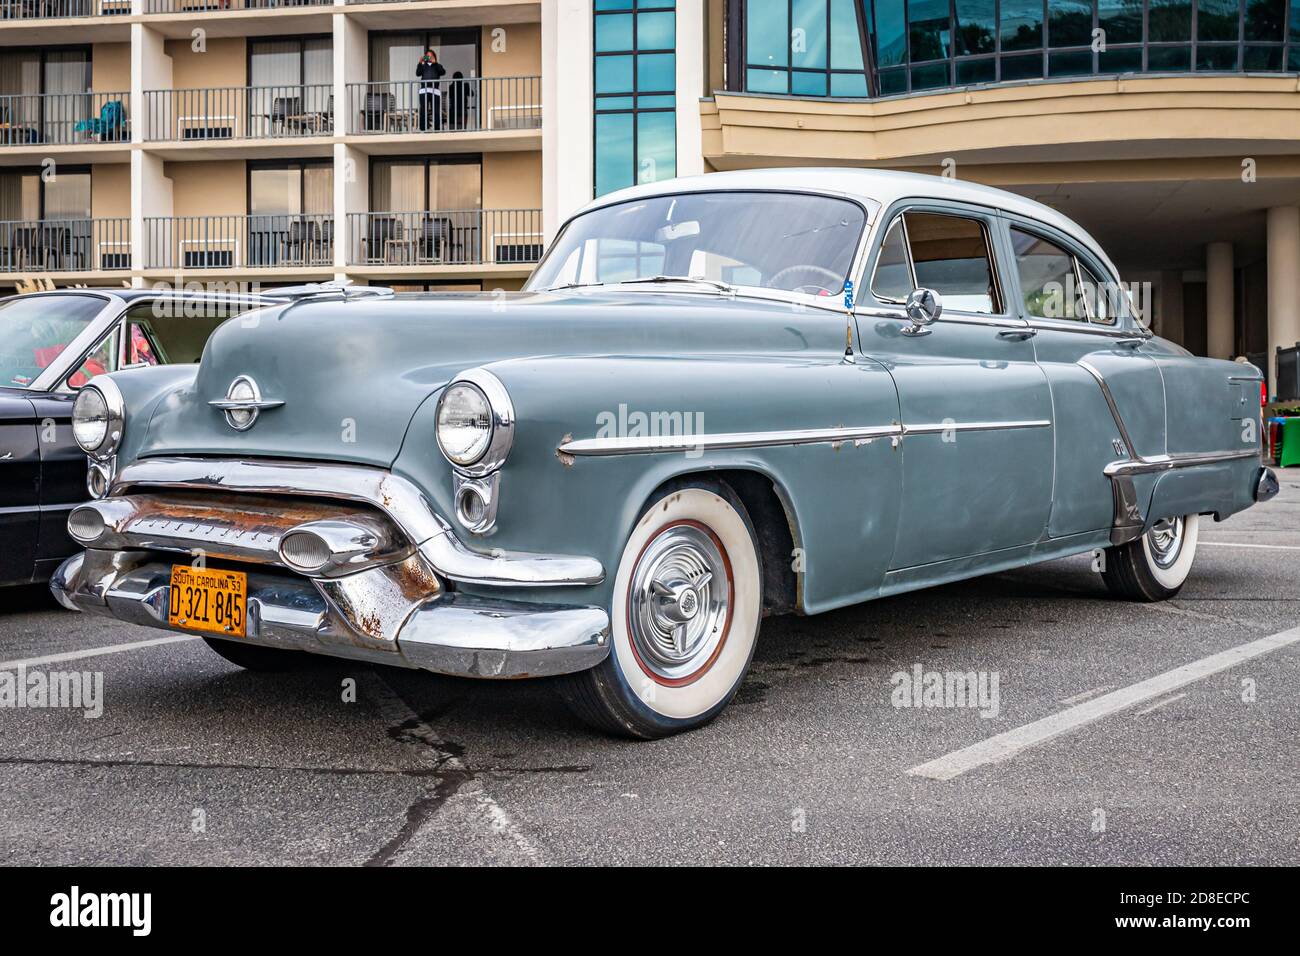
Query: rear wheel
(685,617)
(1154,566)
(254,657)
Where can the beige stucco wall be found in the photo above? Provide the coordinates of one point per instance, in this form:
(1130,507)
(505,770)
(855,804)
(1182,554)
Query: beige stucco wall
(223,64)
(522,55)
(110,67)
(110,190)
(512,180)
(1178,118)
(208,188)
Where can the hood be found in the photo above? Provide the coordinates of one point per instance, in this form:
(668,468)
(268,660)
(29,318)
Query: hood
(352,374)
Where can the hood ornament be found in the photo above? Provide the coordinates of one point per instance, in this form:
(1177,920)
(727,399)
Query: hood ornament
(243,403)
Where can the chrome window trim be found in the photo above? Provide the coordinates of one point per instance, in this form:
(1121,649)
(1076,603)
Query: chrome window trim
(958,318)
(870,217)
(85,342)
(985,216)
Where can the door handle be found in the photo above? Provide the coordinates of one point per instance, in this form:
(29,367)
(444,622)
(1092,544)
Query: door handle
(6,456)
(1017,335)
(1130,343)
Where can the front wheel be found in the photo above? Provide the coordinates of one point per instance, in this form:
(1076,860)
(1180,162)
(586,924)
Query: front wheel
(687,601)
(1154,566)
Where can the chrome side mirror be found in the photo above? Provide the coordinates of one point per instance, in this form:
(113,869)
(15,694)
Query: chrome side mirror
(923,307)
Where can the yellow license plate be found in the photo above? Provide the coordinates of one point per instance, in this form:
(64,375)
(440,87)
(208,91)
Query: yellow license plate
(207,600)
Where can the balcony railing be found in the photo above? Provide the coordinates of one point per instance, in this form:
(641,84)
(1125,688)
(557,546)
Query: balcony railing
(239,112)
(475,103)
(239,242)
(446,237)
(64,118)
(62,9)
(215,6)
(65,245)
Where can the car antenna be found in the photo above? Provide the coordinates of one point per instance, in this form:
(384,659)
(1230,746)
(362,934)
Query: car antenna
(848,322)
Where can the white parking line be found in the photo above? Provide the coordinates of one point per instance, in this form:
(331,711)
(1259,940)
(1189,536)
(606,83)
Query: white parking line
(1011,742)
(1262,547)
(1161,703)
(94,652)
(1078,698)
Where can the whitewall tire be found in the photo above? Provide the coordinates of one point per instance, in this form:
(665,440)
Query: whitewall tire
(1155,566)
(685,615)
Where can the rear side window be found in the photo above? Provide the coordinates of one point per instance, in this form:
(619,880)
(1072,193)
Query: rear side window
(946,253)
(1056,285)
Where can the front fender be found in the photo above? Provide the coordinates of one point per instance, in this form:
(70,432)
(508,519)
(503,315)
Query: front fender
(142,389)
(844,496)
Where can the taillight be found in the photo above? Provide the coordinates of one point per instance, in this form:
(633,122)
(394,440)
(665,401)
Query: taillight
(1263,394)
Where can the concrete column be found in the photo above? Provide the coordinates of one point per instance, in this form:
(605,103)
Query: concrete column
(1283,281)
(1170,315)
(1219,300)
(351,165)
(692,82)
(567,173)
(151,190)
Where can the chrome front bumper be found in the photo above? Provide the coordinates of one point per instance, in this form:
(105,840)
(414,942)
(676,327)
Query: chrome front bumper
(445,633)
(387,602)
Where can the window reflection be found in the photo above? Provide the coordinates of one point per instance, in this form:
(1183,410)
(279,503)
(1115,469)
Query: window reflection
(815,47)
(635,126)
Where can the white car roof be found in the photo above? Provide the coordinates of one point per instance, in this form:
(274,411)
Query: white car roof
(883,186)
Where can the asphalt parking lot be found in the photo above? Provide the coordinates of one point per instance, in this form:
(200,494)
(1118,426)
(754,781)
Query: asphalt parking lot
(196,762)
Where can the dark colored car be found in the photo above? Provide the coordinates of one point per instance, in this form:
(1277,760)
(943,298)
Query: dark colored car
(51,344)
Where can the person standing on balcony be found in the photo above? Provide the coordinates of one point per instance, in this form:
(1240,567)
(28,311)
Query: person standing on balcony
(430,71)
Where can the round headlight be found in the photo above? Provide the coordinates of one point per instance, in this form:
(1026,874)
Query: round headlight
(476,422)
(97,419)
(464,423)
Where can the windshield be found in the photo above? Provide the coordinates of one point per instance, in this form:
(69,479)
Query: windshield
(35,330)
(788,241)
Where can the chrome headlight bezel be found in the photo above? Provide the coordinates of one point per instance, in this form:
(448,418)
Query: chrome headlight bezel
(114,419)
(501,412)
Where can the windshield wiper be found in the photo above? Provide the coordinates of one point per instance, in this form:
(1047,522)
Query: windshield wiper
(698,280)
(574,285)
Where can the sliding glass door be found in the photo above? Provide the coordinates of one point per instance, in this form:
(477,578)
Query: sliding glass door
(41,94)
(290,213)
(292,85)
(427,209)
(45,224)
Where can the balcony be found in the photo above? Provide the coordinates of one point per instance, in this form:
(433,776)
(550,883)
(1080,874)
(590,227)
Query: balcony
(474,104)
(462,237)
(62,9)
(239,113)
(64,119)
(65,245)
(288,241)
(224,6)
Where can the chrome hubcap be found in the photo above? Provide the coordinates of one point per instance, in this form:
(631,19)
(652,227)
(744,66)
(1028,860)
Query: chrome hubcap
(1166,540)
(679,602)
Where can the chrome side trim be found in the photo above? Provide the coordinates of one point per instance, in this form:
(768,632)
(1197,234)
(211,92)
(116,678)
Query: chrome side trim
(940,427)
(1127,521)
(395,496)
(650,444)
(1110,403)
(1143,466)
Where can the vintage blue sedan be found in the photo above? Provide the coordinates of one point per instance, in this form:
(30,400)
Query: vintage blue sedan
(718,398)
